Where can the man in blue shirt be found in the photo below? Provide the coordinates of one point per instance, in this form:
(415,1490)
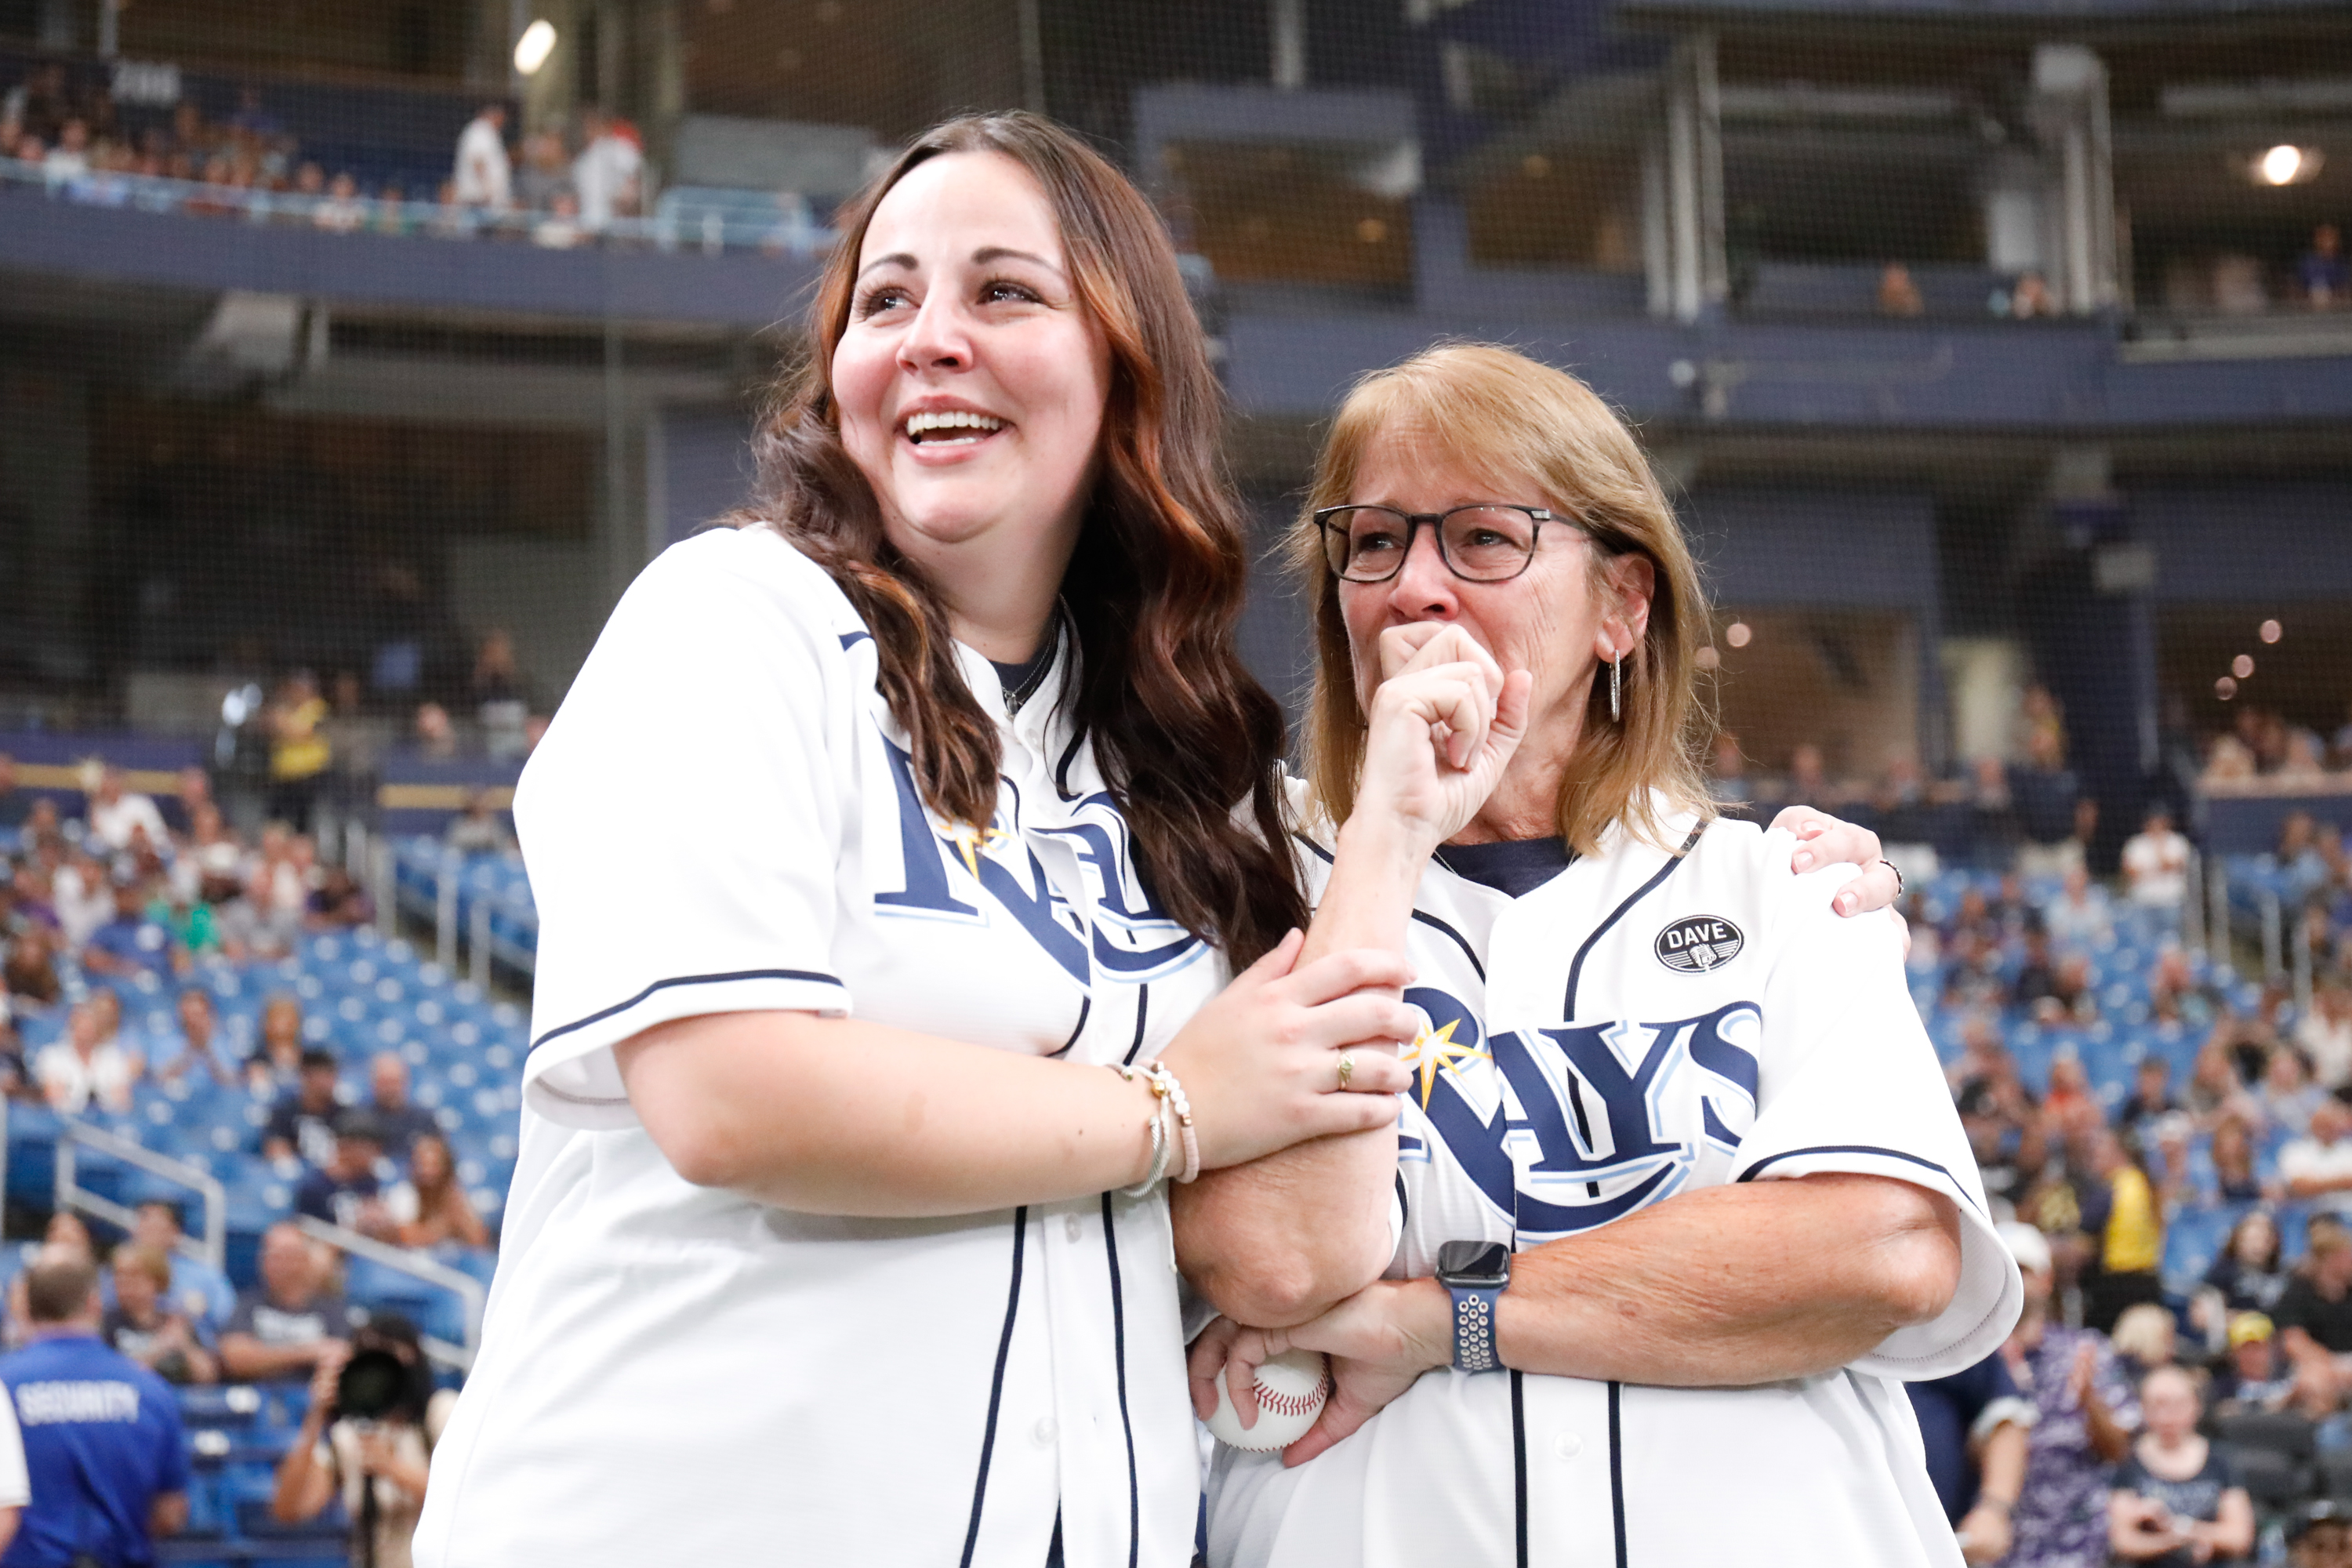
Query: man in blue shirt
(102,1443)
(131,943)
(1972,1424)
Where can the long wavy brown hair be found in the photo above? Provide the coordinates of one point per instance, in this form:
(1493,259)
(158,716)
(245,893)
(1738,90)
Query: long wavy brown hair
(1182,732)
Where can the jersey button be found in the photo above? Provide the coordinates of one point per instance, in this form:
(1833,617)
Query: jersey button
(1566,1445)
(1072,1228)
(1045,1431)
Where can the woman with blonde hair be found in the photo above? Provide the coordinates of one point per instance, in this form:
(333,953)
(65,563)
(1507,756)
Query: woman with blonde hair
(1679,1192)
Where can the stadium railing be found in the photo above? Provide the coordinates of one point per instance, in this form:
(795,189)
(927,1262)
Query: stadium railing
(74,1132)
(468,1290)
(747,221)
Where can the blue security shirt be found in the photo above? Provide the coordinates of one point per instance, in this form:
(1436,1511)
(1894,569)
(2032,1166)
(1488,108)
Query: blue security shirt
(102,1443)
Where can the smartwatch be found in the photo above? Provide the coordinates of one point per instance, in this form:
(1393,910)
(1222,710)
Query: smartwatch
(1474,1273)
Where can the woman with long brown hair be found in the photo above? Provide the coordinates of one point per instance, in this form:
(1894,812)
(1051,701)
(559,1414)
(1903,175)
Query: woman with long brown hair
(893,851)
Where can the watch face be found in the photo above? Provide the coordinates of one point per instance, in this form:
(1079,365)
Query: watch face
(1475,1265)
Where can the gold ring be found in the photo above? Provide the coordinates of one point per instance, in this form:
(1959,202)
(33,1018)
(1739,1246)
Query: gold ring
(1347,1068)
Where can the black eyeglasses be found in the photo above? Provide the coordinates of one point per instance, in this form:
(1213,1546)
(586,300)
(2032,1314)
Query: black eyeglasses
(1487,543)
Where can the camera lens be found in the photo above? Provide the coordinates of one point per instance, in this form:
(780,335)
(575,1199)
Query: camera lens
(373,1384)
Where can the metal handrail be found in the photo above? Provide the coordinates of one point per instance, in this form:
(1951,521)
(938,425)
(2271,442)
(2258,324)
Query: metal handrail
(468,1290)
(72,1130)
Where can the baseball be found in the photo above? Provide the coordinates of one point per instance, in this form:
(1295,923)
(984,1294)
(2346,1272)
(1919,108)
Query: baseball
(1290,1392)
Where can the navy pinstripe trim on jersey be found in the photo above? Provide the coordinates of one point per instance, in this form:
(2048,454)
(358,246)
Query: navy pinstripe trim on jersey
(1062,768)
(1758,1169)
(1142,1011)
(997,1388)
(1404,1201)
(1459,941)
(1617,1463)
(808,975)
(1126,1424)
(851,639)
(1430,921)
(1086,1006)
(1576,969)
(1519,1467)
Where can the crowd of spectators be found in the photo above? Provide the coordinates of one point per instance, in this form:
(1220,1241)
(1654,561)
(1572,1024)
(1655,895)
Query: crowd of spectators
(560,188)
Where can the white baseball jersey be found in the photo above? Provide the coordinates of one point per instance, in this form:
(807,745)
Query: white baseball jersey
(722,818)
(1638,1025)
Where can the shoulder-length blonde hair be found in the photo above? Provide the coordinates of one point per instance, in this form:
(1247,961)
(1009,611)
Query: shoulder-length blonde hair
(1517,421)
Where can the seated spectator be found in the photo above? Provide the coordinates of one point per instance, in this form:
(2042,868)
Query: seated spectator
(144,1325)
(342,211)
(2151,1094)
(201,1046)
(2032,297)
(115,812)
(2215,1089)
(2318,1166)
(30,972)
(2070,997)
(302,1123)
(436,732)
(339,903)
(2175,1500)
(346,1190)
(200,1292)
(2085,1417)
(2247,1277)
(2287,1095)
(476,830)
(1998,1140)
(2256,1377)
(2320,1535)
(83,893)
(400,1119)
(287,1326)
(431,1206)
(2174,996)
(2325,279)
(69,159)
(87,1067)
(392,1457)
(133,941)
(561,229)
(2326,1035)
(605,175)
(2315,1312)
(2079,916)
(276,1066)
(2145,1339)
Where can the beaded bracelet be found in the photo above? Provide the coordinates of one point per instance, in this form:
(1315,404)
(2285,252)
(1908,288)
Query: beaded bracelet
(1163,1083)
(1161,1145)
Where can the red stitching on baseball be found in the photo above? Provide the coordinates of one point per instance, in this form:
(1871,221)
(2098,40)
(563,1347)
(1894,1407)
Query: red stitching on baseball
(1290,1403)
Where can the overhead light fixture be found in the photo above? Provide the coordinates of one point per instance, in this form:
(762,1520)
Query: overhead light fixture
(2285,164)
(538,42)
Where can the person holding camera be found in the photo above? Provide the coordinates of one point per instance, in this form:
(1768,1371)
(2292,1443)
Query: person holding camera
(373,1419)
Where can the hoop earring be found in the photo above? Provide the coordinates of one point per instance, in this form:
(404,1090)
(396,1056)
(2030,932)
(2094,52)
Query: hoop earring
(1616,703)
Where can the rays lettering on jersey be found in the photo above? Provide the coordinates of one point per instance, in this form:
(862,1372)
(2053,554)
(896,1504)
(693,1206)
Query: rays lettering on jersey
(1132,938)
(1565,1129)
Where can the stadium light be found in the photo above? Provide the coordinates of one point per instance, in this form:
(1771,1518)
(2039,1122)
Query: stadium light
(538,42)
(2271,631)
(2225,689)
(2243,666)
(1737,633)
(2286,164)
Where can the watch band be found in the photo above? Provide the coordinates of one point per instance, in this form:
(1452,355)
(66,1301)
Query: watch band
(1474,1328)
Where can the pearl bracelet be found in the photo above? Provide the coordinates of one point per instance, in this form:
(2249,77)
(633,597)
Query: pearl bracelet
(1161,1145)
(1163,1084)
